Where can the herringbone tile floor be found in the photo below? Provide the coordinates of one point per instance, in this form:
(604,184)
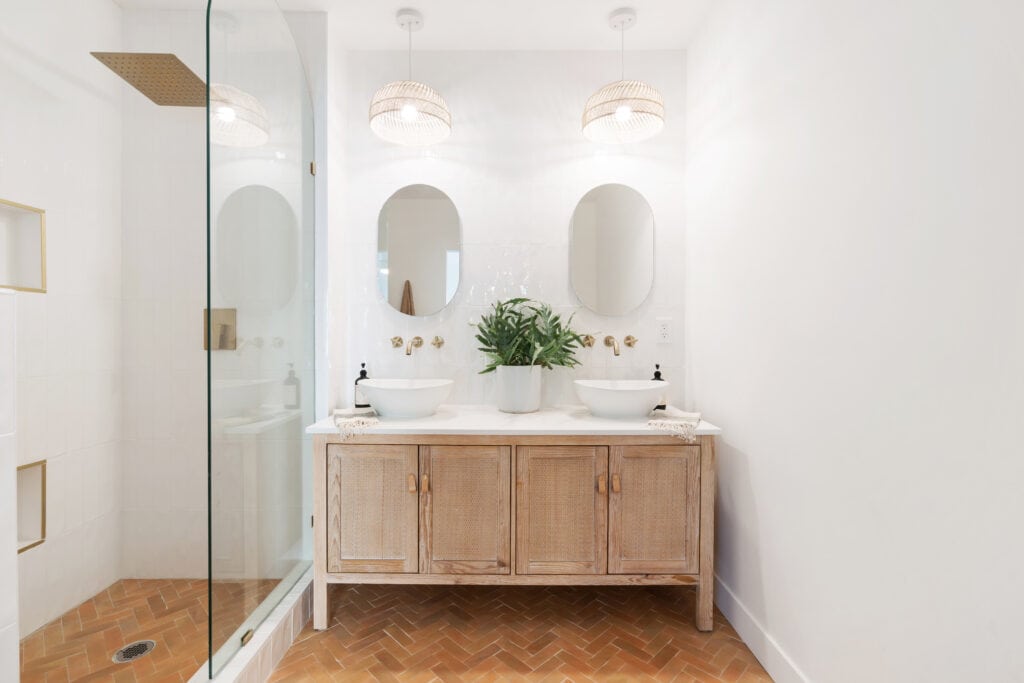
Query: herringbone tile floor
(516,633)
(79,645)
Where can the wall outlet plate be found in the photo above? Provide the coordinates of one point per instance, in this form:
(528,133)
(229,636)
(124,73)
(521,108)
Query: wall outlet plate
(663,332)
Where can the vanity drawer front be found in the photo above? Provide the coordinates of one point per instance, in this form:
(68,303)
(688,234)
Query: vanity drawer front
(465,512)
(372,508)
(654,510)
(561,509)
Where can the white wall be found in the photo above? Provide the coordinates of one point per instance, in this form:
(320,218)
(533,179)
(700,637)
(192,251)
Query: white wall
(855,315)
(60,132)
(515,166)
(8,506)
(164,274)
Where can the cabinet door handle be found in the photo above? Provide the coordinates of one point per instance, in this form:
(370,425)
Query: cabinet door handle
(616,484)
(426,484)
(602,483)
(412,483)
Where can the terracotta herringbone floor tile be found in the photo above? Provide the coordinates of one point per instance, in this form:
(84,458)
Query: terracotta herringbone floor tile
(78,645)
(445,634)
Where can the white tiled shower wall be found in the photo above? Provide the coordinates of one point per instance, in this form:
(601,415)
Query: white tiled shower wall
(61,143)
(8,509)
(515,166)
(164,273)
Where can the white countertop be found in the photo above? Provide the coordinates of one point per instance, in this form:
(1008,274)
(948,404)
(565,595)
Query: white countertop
(487,420)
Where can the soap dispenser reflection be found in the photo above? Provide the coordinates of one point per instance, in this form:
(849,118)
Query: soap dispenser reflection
(291,389)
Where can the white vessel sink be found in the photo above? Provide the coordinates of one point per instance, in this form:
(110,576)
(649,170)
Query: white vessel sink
(620,398)
(406,398)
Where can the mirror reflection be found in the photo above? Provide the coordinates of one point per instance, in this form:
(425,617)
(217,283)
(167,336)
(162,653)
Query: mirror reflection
(611,249)
(418,250)
(257,247)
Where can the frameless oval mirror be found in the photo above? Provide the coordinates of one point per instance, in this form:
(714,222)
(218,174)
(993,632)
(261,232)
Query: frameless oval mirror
(611,249)
(257,249)
(419,247)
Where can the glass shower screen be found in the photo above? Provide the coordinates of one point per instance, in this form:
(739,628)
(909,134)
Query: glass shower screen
(260,316)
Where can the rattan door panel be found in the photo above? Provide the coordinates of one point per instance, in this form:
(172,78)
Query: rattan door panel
(465,514)
(654,510)
(561,511)
(372,509)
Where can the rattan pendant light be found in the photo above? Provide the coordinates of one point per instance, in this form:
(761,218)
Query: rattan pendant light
(408,112)
(623,111)
(237,119)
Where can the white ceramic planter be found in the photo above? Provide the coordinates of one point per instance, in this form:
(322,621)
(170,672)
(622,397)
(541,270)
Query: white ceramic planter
(519,388)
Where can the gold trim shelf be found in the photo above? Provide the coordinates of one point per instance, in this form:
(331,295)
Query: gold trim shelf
(31,505)
(22,247)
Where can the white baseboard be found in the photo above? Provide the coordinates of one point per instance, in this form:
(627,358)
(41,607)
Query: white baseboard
(772,657)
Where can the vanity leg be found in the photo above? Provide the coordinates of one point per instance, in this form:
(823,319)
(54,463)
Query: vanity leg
(321,614)
(706,581)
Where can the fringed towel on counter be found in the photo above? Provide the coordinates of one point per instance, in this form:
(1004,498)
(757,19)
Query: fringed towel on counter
(352,421)
(676,422)
(407,306)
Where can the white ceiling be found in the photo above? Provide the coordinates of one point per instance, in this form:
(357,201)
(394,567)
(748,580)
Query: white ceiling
(488,24)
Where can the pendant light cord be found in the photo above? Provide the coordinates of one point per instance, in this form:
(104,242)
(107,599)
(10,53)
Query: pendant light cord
(622,53)
(410,51)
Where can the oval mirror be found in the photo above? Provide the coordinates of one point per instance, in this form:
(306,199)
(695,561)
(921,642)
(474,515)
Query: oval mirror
(611,249)
(257,249)
(419,248)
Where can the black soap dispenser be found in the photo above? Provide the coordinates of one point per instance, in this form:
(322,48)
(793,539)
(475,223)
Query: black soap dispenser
(360,398)
(658,378)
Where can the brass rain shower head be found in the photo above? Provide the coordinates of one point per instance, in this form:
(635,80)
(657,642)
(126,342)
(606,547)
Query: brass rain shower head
(163,78)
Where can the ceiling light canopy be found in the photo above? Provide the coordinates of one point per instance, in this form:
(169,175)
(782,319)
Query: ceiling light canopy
(623,111)
(409,112)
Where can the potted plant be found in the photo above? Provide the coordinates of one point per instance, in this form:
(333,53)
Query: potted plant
(519,337)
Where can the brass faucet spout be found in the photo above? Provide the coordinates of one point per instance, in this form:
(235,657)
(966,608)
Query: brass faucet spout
(414,343)
(610,341)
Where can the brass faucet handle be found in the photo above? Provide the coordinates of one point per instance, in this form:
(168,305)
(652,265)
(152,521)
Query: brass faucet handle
(609,340)
(396,342)
(630,341)
(416,342)
(588,340)
(438,342)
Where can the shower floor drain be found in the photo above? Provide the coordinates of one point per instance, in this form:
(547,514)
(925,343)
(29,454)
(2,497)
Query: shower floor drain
(133,651)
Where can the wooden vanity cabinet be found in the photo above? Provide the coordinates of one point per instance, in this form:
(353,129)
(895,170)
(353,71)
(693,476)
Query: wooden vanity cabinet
(516,510)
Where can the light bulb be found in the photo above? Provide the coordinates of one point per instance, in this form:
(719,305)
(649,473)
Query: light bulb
(226,114)
(623,112)
(409,113)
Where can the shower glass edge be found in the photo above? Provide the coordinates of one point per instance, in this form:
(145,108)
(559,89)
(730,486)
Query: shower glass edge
(259,319)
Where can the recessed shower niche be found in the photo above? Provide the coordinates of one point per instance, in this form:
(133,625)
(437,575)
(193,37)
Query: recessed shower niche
(257,249)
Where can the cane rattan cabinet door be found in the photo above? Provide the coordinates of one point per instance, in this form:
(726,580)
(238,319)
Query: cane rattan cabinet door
(465,512)
(372,508)
(561,509)
(654,510)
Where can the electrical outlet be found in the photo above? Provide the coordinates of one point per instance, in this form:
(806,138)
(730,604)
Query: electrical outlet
(664,330)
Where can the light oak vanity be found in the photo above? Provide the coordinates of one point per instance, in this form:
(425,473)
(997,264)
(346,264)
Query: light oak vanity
(474,496)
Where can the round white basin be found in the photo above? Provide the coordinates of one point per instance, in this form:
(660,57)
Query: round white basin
(620,398)
(406,398)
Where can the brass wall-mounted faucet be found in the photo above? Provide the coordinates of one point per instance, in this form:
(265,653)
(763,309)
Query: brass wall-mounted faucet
(610,341)
(414,343)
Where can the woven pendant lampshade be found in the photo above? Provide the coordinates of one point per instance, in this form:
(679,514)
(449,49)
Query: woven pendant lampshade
(623,111)
(409,112)
(237,119)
